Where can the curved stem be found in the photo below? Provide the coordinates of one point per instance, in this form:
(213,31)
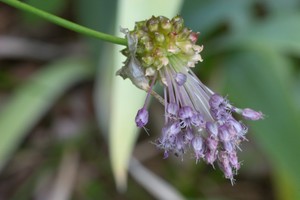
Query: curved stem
(65,23)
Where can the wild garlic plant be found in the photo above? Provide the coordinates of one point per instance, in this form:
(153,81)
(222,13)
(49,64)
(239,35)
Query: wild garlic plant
(163,51)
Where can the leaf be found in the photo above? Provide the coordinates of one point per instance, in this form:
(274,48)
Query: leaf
(278,32)
(253,80)
(156,186)
(33,99)
(126,99)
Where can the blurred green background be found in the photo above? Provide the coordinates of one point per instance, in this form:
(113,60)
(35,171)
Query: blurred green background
(67,122)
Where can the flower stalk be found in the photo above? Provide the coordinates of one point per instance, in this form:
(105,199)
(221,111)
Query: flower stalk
(65,23)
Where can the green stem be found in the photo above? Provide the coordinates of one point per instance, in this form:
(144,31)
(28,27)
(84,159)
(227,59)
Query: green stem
(65,23)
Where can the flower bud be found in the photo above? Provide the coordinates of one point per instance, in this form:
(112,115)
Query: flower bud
(180,78)
(165,24)
(224,134)
(177,24)
(141,118)
(172,109)
(159,37)
(212,129)
(193,37)
(198,147)
(152,24)
(252,114)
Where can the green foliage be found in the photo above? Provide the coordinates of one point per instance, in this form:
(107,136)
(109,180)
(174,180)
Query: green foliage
(31,101)
(251,51)
(253,80)
(258,71)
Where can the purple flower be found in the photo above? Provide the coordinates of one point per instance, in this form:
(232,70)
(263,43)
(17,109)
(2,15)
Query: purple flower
(225,165)
(198,147)
(196,118)
(172,110)
(212,143)
(212,129)
(180,78)
(141,118)
(252,114)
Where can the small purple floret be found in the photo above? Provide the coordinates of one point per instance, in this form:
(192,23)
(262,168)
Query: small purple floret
(224,134)
(210,157)
(252,114)
(172,129)
(237,126)
(185,112)
(212,143)
(212,129)
(198,146)
(166,154)
(180,78)
(197,120)
(172,110)
(188,135)
(141,118)
(225,166)
(179,145)
(229,147)
(233,159)
(216,101)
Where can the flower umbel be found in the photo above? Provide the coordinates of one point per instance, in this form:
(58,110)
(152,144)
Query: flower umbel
(163,50)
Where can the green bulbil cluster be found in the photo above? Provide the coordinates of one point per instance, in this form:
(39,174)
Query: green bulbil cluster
(161,40)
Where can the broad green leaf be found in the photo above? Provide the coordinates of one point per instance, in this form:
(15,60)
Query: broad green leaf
(126,99)
(33,99)
(252,80)
(159,188)
(278,32)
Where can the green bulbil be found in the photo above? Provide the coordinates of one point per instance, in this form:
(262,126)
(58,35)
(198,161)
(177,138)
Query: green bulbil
(161,39)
